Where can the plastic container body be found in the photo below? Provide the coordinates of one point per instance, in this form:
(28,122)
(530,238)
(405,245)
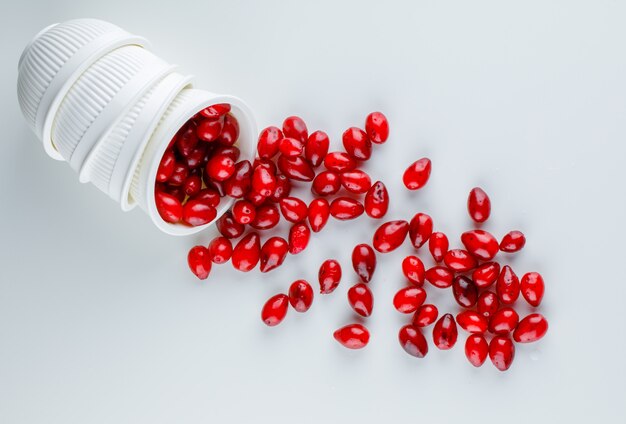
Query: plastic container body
(98,99)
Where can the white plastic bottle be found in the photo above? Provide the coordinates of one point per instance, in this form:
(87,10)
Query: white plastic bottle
(99,99)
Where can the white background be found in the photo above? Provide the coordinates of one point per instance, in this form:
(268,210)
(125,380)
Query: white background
(101,322)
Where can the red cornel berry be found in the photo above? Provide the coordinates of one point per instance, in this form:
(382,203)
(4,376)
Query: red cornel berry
(417,174)
(275,310)
(220,250)
(247,252)
(481,244)
(445,332)
(390,235)
(199,260)
(459,260)
(295,127)
(501,352)
(413,270)
(376,200)
(357,143)
(316,148)
(438,246)
(329,276)
(269,139)
(301,295)
(478,205)
(532,288)
(299,236)
(361,299)
(513,242)
(344,208)
(413,341)
(476,349)
(409,299)
(352,336)
(364,261)
(273,253)
(377,127)
(507,286)
(530,329)
(420,229)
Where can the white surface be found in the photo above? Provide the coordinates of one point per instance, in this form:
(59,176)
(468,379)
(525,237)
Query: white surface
(526,100)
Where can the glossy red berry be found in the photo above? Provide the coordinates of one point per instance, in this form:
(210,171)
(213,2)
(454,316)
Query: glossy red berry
(438,245)
(273,253)
(356,181)
(296,168)
(282,188)
(301,295)
(476,349)
(291,147)
(532,288)
(376,200)
(198,212)
(243,211)
(425,315)
(361,299)
(464,291)
(486,274)
(199,261)
(166,166)
(220,250)
(186,139)
(232,152)
(439,276)
(459,260)
(408,299)
(326,183)
(445,332)
(339,162)
(267,216)
(377,127)
(413,270)
(240,182)
(210,129)
(294,127)
(169,207)
(513,241)
(196,158)
(180,174)
(503,321)
(247,252)
(531,328)
(507,286)
(487,304)
(208,195)
(257,199)
(299,235)
(228,227)
(275,310)
(267,164)
(293,209)
(478,205)
(230,131)
(220,167)
(390,235)
(364,261)
(501,352)
(263,181)
(215,111)
(472,322)
(413,341)
(316,148)
(420,229)
(319,211)
(417,174)
(352,336)
(344,208)
(482,244)
(329,276)
(192,185)
(269,139)
(357,143)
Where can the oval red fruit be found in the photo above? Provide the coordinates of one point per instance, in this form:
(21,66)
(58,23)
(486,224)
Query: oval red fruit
(459,260)
(438,245)
(319,211)
(420,229)
(329,276)
(417,174)
(476,349)
(445,332)
(478,205)
(390,235)
(531,328)
(275,310)
(247,252)
(486,274)
(301,295)
(316,148)
(532,288)
(501,352)
(377,127)
(376,200)
(413,270)
(408,299)
(425,315)
(413,341)
(344,208)
(352,336)
(299,235)
(513,241)
(199,261)
(273,253)
(480,243)
(357,143)
(507,286)
(361,299)
(364,261)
